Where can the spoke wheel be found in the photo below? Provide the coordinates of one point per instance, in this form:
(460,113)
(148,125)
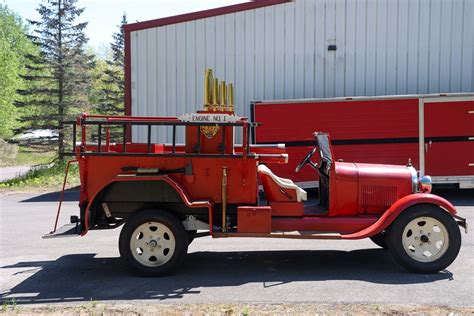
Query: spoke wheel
(424,238)
(153,242)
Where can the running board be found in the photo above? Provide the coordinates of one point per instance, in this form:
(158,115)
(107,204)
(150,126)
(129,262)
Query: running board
(68,230)
(289,235)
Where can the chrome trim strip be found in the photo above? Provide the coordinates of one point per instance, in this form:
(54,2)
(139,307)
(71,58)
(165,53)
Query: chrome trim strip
(421,135)
(414,179)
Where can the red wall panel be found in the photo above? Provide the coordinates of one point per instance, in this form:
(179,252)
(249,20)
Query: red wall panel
(370,131)
(449,125)
(343,120)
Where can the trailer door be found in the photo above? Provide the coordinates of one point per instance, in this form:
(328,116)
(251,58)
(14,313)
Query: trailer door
(449,137)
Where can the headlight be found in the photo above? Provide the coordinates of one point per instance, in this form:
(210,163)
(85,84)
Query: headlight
(425,184)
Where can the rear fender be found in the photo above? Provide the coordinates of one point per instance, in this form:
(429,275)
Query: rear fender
(398,207)
(184,196)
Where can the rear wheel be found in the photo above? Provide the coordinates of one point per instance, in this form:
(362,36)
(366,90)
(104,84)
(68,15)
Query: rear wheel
(424,239)
(153,242)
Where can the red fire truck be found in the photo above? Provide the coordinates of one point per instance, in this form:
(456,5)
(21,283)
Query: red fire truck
(436,132)
(165,195)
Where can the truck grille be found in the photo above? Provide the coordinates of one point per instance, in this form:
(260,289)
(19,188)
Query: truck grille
(376,198)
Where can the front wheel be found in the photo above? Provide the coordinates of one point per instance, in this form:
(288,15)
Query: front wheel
(424,239)
(153,242)
(380,239)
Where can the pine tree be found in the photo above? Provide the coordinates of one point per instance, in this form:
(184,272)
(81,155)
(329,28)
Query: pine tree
(112,98)
(108,92)
(112,93)
(59,75)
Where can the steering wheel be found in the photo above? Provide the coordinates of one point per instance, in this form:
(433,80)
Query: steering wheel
(306,160)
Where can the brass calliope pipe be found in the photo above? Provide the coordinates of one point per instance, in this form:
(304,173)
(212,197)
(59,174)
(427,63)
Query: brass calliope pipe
(217,95)
(230,97)
(223,96)
(208,89)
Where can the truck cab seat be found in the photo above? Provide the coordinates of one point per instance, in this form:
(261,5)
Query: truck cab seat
(279,189)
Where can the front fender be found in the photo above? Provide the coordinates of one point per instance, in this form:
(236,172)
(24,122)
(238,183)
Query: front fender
(399,206)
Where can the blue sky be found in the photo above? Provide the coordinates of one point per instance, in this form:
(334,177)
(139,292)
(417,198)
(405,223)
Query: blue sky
(104,15)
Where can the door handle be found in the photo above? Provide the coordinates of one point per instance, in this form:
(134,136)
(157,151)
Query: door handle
(428,145)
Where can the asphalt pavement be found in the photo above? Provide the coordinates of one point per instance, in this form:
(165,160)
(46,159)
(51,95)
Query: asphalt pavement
(80,269)
(7,173)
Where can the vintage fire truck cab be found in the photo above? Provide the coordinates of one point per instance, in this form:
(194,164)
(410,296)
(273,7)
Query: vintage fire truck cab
(165,195)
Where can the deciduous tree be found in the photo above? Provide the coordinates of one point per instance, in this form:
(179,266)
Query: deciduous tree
(14,46)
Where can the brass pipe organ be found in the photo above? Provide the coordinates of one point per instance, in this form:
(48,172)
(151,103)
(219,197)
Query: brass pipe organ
(218,96)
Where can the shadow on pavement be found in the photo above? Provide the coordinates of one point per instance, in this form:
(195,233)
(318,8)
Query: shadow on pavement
(459,197)
(70,195)
(83,277)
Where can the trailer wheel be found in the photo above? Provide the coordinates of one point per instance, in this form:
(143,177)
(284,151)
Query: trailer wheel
(153,243)
(380,240)
(424,239)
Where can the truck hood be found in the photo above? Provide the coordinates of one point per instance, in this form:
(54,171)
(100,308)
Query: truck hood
(378,186)
(375,172)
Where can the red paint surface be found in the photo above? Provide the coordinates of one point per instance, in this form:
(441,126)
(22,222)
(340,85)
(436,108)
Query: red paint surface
(275,193)
(369,119)
(344,120)
(207,174)
(251,219)
(452,159)
(287,208)
(394,154)
(183,194)
(392,213)
(449,119)
(342,225)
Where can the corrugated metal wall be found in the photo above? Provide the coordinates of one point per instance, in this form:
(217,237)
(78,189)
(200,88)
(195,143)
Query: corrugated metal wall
(281,52)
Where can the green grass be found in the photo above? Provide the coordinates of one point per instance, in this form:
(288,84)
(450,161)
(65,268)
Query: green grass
(47,176)
(28,156)
(9,305)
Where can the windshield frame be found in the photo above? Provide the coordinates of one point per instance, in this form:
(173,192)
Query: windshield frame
(324,147)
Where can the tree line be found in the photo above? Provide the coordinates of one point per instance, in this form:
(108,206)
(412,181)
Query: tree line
(48,74)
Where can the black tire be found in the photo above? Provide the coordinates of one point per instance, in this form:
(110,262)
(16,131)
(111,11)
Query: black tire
(423,212)
(178,234)
(191,236)
(380,239)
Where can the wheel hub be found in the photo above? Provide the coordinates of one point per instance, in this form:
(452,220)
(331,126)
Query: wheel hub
(152,244)
(425,239)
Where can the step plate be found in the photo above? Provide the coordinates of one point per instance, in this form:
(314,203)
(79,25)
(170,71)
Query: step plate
(289,235)
(69,230)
